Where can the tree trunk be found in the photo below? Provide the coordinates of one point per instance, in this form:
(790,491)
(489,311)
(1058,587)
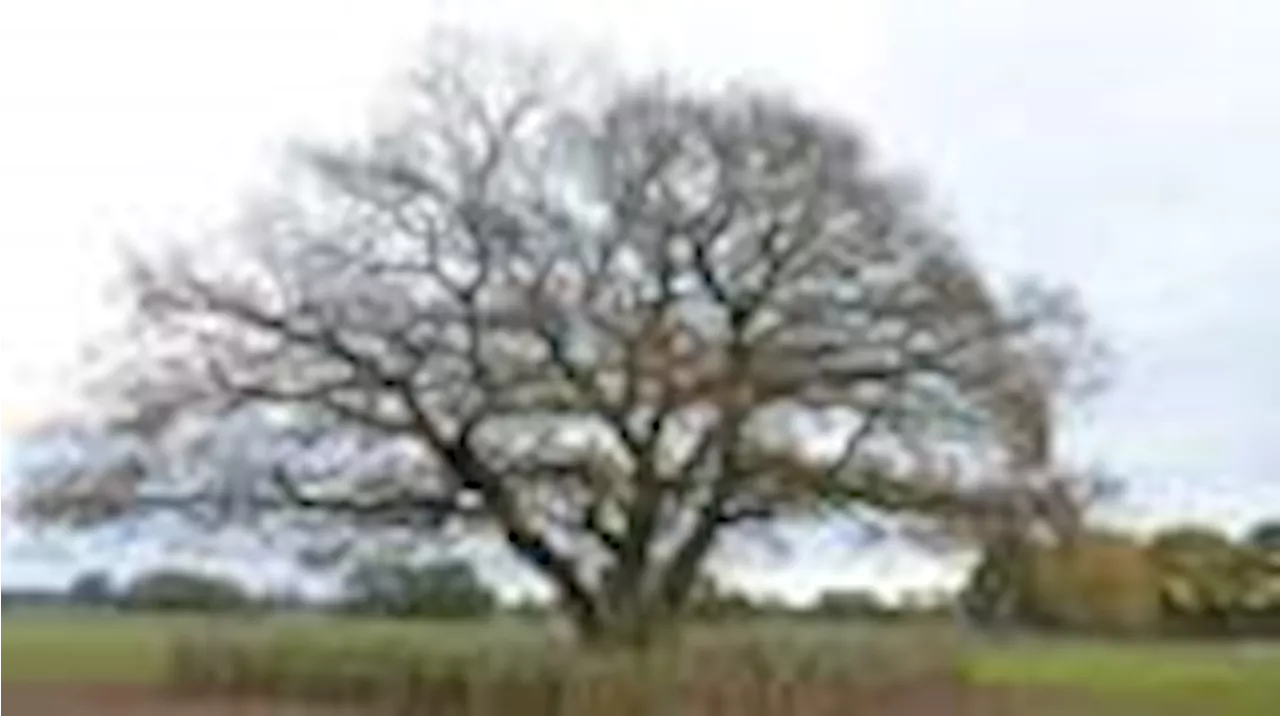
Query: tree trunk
(632,620)
(636,631)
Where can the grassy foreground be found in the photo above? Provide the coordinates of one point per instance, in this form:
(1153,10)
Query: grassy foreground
(134,648)
(1217,679)
(1226,679)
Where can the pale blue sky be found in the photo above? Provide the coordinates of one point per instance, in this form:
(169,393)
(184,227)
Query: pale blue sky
(1124,147)
(1128,148)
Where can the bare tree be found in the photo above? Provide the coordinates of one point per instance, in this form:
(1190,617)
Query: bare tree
(613,327)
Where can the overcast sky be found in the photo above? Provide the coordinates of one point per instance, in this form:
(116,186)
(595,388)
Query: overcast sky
(1127,148)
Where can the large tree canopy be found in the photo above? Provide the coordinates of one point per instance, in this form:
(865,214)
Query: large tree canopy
(611,326)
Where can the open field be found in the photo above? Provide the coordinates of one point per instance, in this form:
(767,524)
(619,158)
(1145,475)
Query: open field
(1216,679)
(1167,678)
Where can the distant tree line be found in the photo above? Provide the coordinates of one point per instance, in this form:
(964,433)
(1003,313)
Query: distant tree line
(164,589)
(385,588)
(1183,581)
(449,589)
(443,590)
(714,602)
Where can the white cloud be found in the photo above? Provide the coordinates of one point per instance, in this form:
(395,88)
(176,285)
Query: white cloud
(134,119)
(141,120)
(1127,148)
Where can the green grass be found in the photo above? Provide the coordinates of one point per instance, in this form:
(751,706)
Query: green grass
(79,647)
(1156,678)
(47,646)
(1177,678)
(69,646)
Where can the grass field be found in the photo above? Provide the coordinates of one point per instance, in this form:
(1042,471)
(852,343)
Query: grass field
(134,648)
(1211,679)
(1215,679)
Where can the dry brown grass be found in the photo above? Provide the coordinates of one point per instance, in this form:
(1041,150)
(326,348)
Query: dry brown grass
(746,679)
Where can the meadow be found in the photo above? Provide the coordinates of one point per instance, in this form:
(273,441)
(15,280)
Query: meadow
(1221,679)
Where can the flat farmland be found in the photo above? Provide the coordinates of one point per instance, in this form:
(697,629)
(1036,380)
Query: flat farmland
(53,661)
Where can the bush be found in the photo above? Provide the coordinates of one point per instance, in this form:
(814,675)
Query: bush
(182,590)
(447,589)
(91,589)
(1103,585)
